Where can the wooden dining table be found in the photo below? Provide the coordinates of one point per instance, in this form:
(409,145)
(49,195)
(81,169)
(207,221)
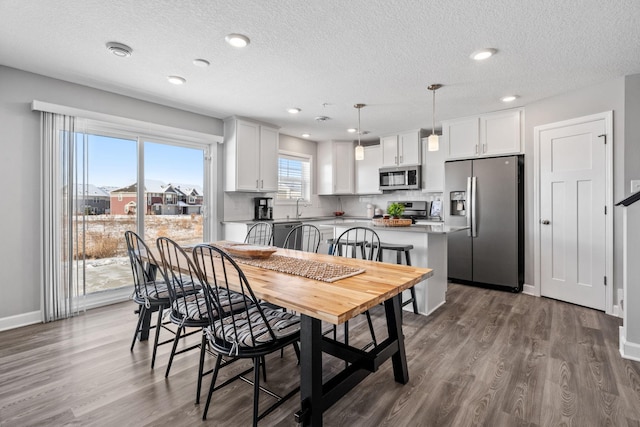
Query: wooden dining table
(337,302)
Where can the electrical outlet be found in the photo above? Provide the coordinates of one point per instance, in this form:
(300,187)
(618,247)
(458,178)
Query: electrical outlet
(635,185)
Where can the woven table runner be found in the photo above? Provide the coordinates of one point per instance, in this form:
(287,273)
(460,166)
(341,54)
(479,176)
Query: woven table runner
(316,270)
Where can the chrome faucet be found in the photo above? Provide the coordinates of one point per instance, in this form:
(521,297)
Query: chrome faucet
(298,213)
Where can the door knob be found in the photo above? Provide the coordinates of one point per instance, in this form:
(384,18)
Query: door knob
(545,222)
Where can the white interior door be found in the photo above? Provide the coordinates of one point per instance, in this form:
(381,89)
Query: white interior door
(573,197)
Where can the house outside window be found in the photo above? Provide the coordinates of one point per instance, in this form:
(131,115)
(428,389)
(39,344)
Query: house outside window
(294,177)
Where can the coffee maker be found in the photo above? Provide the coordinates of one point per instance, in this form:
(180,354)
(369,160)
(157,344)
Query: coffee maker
(263,208)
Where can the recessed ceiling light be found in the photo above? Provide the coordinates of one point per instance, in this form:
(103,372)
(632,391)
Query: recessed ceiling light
(176,80)
(508,98)
(119,49)
(481,54)
(352,130)
(237,40)
(201,63)
(306,135)
(293,110)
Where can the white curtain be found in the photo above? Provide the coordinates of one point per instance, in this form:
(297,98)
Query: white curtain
(63,178)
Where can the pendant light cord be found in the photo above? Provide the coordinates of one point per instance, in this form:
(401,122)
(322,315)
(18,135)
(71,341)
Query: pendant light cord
(433,131)
(359,126)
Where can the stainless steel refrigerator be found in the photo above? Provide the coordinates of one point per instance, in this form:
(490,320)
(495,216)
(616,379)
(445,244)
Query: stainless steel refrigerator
(487,195)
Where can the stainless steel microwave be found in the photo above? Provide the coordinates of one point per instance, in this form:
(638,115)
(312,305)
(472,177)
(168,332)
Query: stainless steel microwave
(400,178)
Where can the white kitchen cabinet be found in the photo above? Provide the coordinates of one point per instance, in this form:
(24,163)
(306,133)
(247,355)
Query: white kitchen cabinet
(501,133)
(401,149)
(433,167)
(491,134)
(251,156)
(336,169)
(367,171)
(462,137)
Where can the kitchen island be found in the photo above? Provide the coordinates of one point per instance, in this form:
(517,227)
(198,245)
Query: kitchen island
(429,242)
(429,250)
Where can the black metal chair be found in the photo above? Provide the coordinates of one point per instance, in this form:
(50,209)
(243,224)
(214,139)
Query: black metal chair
(260,233)
(399,250)
(149,293)
(363,243)
(251,333)
(304,237)
(189,309)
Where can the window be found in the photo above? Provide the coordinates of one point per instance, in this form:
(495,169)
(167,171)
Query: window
(294,177)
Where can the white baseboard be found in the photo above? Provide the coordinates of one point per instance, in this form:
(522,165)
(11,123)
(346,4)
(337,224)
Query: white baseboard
(628,350)
(20,320)
(617,311)
(529,290)
(433,309)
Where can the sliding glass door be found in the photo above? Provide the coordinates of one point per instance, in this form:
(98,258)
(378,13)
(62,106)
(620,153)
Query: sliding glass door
(155,188)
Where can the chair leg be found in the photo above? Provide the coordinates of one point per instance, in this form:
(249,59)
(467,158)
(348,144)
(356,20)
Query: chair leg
(141,313)
(264,368)
(296,348)
(256,388)
(373,334)
(176,339)
(203,350)
(415,301)
(155,343)
(214,376)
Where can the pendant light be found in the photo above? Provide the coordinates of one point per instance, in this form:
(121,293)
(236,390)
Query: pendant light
(359,147)
(433,142)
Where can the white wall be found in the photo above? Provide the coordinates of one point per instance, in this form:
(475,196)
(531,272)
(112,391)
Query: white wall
(598,98)
(20,172)
(632,171)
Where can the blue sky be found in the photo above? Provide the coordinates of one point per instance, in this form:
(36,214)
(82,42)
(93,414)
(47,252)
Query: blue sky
(112,162)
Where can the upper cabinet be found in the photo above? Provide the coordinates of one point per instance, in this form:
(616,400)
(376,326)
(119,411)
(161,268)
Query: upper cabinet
(367,181)
(251,156)
(491,134)
(335,173)
(401,149)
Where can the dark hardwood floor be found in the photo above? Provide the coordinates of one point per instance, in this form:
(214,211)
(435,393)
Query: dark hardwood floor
(486,358)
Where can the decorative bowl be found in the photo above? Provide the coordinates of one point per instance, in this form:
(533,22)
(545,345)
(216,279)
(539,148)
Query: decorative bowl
(338,213)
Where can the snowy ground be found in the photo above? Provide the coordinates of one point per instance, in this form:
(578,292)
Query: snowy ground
(115,271)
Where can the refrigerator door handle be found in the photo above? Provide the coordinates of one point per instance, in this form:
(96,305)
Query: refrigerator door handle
(469,205)
(474,219)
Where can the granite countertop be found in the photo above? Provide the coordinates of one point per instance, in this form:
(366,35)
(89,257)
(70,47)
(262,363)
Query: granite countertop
(359,221)
(337,219)
(414,228)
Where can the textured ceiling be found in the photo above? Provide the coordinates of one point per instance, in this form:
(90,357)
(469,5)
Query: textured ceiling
(323,56)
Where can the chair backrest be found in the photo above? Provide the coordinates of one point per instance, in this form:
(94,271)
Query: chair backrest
(144,268)
(221,276)
(181,276)
(358,242)
(305,237)
(260,233)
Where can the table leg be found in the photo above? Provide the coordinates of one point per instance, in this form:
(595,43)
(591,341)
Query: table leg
(311,371)
(393,309)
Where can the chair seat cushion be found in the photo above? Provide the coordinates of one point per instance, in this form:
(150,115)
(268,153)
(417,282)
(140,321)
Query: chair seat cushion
(194,306)
(154,291)
(282,323)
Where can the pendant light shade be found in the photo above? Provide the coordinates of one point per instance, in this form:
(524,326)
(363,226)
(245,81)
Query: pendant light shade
(433,142)
(359,148)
